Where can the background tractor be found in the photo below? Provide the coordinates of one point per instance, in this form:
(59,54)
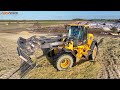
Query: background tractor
(63,50)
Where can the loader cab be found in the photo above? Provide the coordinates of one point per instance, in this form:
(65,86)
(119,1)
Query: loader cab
(78,34)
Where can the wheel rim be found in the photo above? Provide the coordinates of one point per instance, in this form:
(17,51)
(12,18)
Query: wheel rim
(94,52)
(65,63)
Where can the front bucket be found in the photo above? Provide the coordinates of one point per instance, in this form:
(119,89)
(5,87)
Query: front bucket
(25,68)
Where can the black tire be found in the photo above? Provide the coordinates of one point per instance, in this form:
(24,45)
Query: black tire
(51,54)
(93,53)
(64,62)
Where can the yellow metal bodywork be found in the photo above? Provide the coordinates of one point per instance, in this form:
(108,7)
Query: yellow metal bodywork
(69,46)
(81,49)
(78,25)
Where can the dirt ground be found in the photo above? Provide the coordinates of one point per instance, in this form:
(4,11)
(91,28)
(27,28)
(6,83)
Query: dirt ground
(109,58)
(9,62)
(107,65)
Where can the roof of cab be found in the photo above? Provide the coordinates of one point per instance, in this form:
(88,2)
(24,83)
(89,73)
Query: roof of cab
(78,25)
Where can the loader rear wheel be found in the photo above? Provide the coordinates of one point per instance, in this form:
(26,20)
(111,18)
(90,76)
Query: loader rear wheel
(64,62)
(93,55)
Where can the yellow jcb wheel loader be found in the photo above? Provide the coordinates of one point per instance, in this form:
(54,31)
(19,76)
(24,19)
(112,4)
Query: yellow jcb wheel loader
(64,50)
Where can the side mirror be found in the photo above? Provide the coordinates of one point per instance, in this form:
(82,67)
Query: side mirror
(67,27)
(79,26)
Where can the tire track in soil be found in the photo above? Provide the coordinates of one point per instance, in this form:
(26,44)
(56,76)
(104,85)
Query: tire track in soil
(107,58)
(7,73)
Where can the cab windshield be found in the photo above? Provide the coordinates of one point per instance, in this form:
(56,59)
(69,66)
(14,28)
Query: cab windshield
(75,31)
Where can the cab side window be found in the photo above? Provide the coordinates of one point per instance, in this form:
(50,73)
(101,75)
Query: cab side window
(85,33)
(81,34)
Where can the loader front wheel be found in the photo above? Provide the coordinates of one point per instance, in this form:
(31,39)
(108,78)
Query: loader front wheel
(64,62)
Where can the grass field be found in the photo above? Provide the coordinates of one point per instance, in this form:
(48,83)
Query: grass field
(42,22)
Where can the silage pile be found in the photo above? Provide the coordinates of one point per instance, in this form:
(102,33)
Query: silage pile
(24,33)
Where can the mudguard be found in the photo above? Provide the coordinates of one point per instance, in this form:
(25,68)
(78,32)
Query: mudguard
(70,52)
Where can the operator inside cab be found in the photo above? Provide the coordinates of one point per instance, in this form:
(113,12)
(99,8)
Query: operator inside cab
(76,33)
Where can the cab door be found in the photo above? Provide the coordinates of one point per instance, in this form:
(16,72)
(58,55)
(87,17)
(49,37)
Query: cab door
(83,35)
(85,32)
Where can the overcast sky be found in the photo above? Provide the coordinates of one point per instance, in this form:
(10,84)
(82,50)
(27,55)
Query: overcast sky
(60,15)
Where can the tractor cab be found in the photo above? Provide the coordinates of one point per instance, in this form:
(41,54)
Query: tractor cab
(77,33)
